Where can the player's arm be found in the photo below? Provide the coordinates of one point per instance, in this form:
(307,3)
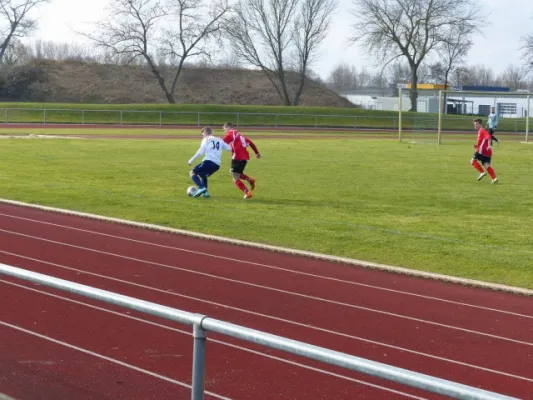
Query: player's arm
(480,138)
(225,146)
(253,146)
(200,151)
(489,138)
(227,139)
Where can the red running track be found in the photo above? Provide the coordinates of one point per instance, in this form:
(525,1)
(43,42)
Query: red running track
(61,346)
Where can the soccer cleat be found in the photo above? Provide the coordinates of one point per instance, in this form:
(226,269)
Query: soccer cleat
(495,180)
(206,194)
(247,195)
(252,183)
(480,177)
(199,192)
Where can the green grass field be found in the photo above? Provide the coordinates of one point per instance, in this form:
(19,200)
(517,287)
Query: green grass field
(412,205)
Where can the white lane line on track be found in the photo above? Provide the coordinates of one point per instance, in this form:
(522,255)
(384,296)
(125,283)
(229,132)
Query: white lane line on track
(277,249)
(245,349)
(112,360)
(299,324)
(273,267)
(271,289)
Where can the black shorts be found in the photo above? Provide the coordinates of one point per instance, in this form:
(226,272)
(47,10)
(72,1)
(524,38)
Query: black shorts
(206,168)
(481,157)
(238,166)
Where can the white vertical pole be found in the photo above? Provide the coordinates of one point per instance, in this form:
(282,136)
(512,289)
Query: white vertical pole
(527,117)
(439,120)
(400,113)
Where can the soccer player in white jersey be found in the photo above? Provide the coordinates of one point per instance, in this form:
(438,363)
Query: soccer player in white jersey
(492,124)
(212,147)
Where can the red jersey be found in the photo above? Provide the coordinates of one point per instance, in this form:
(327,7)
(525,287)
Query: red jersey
(239,144)
(483,143)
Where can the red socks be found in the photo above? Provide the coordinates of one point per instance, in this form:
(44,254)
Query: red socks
(476,165)
(241,186)
(490,170)
(245,177)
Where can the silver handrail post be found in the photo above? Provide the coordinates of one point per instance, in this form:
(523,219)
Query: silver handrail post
(198,361)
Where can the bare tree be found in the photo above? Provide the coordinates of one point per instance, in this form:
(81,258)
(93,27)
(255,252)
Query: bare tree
(452,50)
(477,75)
(410,29)
(364,78)
(378,80)
(343,77)
(280,36)
(15,21)
(528,49)
(156,30)
(16,53)
(42,49)
(310,30)
(398,73)
(230,61)
(514,77)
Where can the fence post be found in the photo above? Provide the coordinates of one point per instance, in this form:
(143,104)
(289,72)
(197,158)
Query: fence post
(160,118)
(198,121)
(198,362)
(120,117)
(44,117)
(82,117)
(316,121)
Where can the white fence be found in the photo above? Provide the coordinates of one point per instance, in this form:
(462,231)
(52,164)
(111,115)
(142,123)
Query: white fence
(125,117)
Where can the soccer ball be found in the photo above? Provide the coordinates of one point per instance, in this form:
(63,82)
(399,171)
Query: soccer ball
(191,190)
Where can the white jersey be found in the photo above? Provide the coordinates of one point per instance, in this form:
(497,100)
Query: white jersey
(492,121)
(212,147)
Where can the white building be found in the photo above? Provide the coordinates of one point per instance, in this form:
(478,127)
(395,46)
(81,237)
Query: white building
(508,105)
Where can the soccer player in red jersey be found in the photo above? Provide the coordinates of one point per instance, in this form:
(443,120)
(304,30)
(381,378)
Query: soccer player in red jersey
(240,157)
(483,152)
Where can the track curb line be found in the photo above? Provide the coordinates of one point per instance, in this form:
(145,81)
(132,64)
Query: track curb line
(317,256)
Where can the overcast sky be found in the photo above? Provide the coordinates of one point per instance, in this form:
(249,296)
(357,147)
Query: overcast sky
(497,47)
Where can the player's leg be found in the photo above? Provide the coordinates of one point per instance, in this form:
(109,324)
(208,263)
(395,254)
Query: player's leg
(476,165)
(248,179)
(490,170)
(203,188)
(492,137)
(209,169)
(237,168)
(194,176)
(200,177)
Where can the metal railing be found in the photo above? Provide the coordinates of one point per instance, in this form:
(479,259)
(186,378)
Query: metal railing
(121,117)
(201,324)
(162,118)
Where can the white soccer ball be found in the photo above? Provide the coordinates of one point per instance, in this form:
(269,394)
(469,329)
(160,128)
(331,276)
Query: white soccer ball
(191,190)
